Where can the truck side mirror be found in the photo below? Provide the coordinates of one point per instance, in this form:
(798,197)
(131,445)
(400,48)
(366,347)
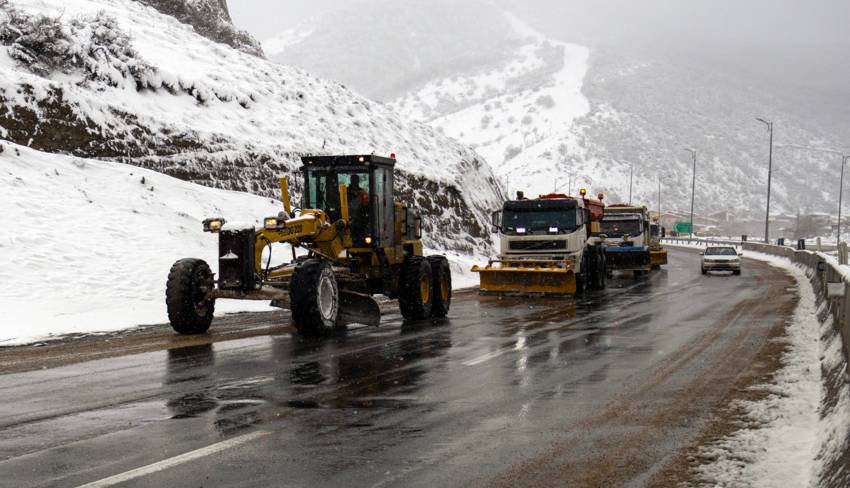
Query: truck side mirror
(496,220)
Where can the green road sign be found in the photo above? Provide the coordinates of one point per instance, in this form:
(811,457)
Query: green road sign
(683,227)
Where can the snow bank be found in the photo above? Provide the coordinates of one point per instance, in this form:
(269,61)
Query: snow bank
(86,245)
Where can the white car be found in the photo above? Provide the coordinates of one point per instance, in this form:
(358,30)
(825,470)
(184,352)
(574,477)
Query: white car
(721,258)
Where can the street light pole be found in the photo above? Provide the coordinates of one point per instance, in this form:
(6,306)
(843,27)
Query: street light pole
(659,198)
(769,174)
(631,171)
(693,187)
(841,195)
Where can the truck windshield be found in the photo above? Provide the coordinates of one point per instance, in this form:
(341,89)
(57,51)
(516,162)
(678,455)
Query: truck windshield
(532,216)
(620,228)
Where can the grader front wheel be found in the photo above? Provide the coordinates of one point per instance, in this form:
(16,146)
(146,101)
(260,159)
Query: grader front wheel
(190,310)
(315,298)
(416,297)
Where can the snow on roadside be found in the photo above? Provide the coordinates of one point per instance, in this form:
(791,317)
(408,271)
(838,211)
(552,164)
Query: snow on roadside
(87,245)
(789,441)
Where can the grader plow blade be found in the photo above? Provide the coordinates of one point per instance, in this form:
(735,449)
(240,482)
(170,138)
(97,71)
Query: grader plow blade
(527,277)
(358,308)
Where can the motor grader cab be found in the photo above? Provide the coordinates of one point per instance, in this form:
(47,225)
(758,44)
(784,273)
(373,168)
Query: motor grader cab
(545,247)
(625,233)
(356,241)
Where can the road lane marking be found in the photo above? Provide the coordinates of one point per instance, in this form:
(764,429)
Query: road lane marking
(175,461)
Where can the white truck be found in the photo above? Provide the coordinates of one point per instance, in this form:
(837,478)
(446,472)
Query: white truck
(546,247)
(625,235)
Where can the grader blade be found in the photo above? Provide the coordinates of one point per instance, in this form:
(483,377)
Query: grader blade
(533,278)
(358,308)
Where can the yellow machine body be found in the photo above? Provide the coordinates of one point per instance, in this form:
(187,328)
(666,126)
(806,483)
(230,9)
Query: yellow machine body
(657,256)
(527,277)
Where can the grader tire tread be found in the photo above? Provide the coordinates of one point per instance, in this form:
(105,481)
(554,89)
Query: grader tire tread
(440,269)
(181,296)
(410,300)
(306,317)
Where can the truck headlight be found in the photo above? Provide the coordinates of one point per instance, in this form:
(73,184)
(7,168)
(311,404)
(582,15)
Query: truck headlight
(214,224)
(368,240)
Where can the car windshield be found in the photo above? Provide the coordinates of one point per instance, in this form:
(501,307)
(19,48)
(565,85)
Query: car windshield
(721,251)
(535,216)
(619,228)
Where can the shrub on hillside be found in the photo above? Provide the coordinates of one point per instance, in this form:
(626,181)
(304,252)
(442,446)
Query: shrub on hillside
(94,45)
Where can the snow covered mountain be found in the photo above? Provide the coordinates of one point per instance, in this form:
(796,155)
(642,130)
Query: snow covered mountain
(118,80)
(548,114)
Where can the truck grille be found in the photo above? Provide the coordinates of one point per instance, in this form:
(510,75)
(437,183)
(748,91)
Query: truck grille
(540,245)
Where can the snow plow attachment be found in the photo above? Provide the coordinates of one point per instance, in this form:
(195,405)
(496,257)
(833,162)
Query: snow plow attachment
(527,277)
(657,257)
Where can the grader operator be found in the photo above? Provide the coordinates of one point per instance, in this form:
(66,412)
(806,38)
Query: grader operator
(357,242)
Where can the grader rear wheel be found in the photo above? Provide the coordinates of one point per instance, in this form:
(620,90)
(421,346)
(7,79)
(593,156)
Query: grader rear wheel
(441,275)
(416,297)
(315,298)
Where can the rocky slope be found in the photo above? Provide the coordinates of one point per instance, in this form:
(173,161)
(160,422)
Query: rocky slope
(103,79)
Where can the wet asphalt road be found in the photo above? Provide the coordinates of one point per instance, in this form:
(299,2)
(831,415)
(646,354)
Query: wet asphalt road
(510,391)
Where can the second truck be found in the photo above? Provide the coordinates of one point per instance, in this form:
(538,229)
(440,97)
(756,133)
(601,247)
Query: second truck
(628,238)
(546,247)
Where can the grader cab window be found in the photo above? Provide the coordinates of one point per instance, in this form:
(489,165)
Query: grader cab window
(323,194)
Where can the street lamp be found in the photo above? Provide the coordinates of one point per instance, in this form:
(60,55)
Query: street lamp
(693,187)
(769,173)
(631,171)
(841,195)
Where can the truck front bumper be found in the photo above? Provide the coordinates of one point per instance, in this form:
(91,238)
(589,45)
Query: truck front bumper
(628,258)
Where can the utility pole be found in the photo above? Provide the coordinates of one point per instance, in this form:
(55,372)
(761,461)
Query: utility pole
(769,174)
(631,172)
(693,187)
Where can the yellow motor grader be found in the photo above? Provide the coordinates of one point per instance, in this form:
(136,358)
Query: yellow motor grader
(358,240)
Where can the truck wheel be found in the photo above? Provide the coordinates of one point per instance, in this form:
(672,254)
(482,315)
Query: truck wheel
(315,298)
(190,310)
(704,271)
(416,296)
(441,275)
(596,280)
(736,272)
(602,273)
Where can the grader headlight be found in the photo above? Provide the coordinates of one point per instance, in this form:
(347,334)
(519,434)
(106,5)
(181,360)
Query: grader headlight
(272,223)
(214,224)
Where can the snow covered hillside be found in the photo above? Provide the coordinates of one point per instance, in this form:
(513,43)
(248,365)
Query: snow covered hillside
(517,114)
(86,245)
(548,114)
(118,80)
